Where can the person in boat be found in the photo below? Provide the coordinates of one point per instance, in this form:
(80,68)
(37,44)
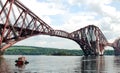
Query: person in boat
(21,61)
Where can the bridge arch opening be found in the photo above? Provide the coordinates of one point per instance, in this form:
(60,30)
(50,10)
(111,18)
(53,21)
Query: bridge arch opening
(109,48)
(49,41)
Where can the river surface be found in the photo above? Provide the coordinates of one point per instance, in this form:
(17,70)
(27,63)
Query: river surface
(61,64)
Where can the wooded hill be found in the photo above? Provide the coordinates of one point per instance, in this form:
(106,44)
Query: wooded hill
(30,50)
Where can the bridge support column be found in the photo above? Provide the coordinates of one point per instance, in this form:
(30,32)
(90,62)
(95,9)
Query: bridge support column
(89,50)
(101,49)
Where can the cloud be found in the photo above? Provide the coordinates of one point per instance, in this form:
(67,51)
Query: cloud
(50,42)
(93,3)
(43,8)
(79,20)
(42,43)
(107,17)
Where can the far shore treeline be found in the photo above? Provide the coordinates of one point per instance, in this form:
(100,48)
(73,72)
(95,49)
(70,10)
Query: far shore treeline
(30,50)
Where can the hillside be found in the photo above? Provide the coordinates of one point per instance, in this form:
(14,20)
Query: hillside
(30,50)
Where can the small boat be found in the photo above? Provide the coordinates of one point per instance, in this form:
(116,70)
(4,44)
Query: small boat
(21,61)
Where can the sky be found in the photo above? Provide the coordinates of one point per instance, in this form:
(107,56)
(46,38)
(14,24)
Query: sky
(70,15)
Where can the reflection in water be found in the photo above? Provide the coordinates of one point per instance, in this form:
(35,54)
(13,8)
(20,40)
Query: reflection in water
(92,64)
(4,66)
(20,69)
(117,63)
(62,64)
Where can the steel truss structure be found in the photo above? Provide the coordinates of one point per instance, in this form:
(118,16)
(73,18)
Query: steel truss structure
(17,22)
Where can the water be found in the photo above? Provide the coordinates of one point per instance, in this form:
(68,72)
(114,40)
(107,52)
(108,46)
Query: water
(62,64)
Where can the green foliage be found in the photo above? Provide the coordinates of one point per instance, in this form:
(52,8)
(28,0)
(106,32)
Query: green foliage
(109,52)
(30,50)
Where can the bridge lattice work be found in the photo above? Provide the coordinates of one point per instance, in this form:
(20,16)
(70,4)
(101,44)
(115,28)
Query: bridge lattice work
(17,22)
(116,46)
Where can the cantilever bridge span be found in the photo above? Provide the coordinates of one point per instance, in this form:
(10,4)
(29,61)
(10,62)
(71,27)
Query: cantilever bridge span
(17,22)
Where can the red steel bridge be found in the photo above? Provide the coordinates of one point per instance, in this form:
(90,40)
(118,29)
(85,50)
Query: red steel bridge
(17,23)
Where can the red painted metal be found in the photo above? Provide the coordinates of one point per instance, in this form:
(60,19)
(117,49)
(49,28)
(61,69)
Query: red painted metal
(26,24)
(23,23)
(18,18)
(6,22)
(3,6)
